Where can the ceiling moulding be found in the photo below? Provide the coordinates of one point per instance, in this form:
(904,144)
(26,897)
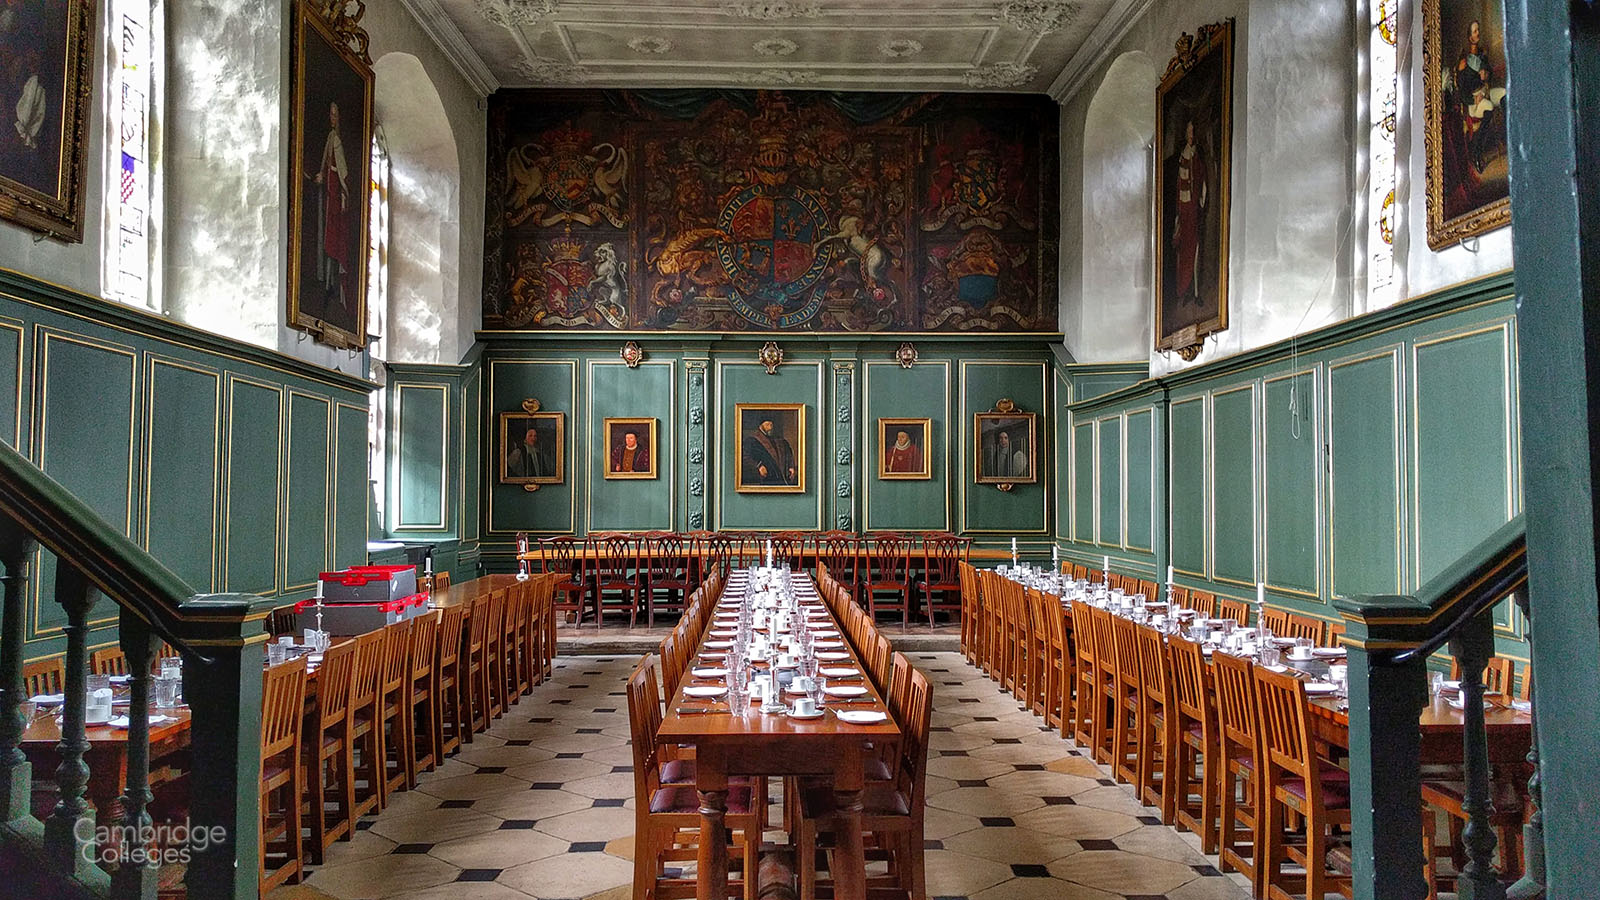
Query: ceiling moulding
(453,44)
(998,75)
(1039,17)
(1097,47)
(545,70)
(771,10)
(515,13)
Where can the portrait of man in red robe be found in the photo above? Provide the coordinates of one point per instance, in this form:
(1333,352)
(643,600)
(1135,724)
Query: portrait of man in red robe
(1188,221)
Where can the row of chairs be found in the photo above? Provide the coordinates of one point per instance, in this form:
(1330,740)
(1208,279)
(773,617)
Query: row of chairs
(47,675)
(389,705)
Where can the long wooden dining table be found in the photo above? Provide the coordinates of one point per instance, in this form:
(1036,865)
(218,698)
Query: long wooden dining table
(761,745)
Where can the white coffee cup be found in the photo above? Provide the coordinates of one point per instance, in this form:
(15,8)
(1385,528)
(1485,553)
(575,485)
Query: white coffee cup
(785,661)
(804,706)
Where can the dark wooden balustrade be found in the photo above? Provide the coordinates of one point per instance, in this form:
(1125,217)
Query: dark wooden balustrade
(220,638)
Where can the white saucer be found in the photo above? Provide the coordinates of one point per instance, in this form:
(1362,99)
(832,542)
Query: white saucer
(861,716)
(814,714)
(709,672)
(1321,687)
(707,691)
(838,671)
(832,655)
(845,690)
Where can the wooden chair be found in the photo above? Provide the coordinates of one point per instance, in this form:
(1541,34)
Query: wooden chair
(366,736)
(668,583)
(441,582)
(616,571)
(1277,620)
(1238,719)
(1109,707)
(1125,721)
(1237,610)
(509,666)
(1296,782)
(450,726)
(1334,636)
(475,669)
(880,662)
(1149,590)
(1203,602)
(329,753)
(422,744)
(283,692)
(663,812)
(889,574)
(108,661)
(1180,596)
(1197,765)
(1497,675)
(283,620)
(564,557)
(1059,671)
(537,609)
(518,635)
(942,558)
(394,710)
(1037,698)
(969,613)
(1303,627)
(1157,780)
(44,676)
(893,813)
(1086,687)
(989,622)
(1020,631)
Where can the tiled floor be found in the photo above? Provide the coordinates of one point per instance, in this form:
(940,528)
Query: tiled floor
(542,807)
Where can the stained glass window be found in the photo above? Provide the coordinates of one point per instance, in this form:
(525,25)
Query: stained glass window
(378,303)
(131,196)
(1383,108)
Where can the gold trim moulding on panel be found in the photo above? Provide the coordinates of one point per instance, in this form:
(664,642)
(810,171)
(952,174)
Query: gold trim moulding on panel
(329,438)
(333,496)
(867,414)
(21,329)
(716,433)
(476,525)
(671,468)
(1319,487)
(1205,456)
(233,380)
(1397,373)
(1255,482)
(44,334)
(1044,481)
(400,388)
(571,363)
(151,361)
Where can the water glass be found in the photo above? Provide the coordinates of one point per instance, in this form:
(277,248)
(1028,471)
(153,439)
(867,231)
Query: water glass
(97,702)
(1269,655)
(1436,683)
(276,654)
(818,688)
(173,666)
(167,690)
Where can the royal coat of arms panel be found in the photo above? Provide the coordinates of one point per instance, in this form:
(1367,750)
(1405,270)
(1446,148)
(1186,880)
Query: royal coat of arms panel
(770,211)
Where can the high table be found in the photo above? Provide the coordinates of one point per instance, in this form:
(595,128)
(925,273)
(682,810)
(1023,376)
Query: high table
(766,745)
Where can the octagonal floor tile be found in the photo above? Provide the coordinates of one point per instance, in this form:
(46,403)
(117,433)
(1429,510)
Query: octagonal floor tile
(1122,873)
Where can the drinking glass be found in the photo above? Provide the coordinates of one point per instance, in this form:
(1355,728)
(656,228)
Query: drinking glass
(275,654)
(1269,655)
(166,692)
(1436,683)
(818,686)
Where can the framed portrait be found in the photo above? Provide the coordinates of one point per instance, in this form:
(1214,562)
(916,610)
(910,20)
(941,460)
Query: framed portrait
(905,449)
(1007,452)
(1464,100)
(630,448)
(533,448)
(46,80)
(329,199)
(1194,149)
(772,448)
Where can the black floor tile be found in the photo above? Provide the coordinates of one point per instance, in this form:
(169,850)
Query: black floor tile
(491,770)
(1059,801)
(1150,820)
(996,822)
(569,756)
(1094,844)
(1208,871)
(412,848)
(546,786)
(478,875)
(971,782)
(1029,870)
(589,730)
(518,824)
(616,769)
(457,804)
(608,801)
(1028,767)
(587,847)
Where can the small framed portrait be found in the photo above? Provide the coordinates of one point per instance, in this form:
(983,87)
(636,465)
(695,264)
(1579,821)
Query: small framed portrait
(772,448)
(533,447)
(46,80)
(904,449)
(630,448)
(1007,453)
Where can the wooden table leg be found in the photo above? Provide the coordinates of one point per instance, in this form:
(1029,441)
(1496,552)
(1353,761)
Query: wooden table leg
(711,779)
(849,859)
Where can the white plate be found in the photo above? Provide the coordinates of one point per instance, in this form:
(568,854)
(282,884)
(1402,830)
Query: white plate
(712,654)
(832,655)
(718,645)
(823,645)
(48,699)
(845,690)
(710,690)
(122,721)
(838,671)
(1321,687)
(825,633)
(814,714)
(710,672)
(861,716)
(1327,652)
(724,633)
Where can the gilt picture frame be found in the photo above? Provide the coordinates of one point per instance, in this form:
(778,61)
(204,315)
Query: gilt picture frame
(1007,448)
(532,448)
(330,179)
(1193,165)
(905,449)
(47,52)
(624,460)
(770,456)
(1465,102)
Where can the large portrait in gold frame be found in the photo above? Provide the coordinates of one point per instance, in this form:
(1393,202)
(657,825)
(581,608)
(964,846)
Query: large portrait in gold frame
(630,447)
(46,81)
(1464,102)
(771,454)
(1007,449)
(533,448)
(330,180)
(1194,153)
(905,449)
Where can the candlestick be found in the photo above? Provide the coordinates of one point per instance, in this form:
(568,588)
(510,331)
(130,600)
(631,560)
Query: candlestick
(1169,573)
(1261,594)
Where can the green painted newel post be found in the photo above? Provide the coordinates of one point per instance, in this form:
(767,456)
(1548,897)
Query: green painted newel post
(16,774)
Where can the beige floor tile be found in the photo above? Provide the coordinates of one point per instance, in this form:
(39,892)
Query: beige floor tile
(434,825)
(966,767)
(598,824)
(951,874)
(364,845)
(504,756)
(465,890)
(937,785)
(1161,842)
(1078,822)
(500,849)
(621,848)
(939,824)
(472,787)
(620,892)
(951,740)
(405,803)
(526,804)
(569,875)
(985,802)
(1209,888)
(1043,784)
(1042,889)
(558,770)
(615,785)
(611,756)
(578,743)
(1012,845)
(382,876)
(1024,754)
(1122,873)
(1075,765)
(1116,798)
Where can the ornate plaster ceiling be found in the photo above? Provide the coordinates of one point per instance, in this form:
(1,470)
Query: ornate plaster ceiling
(1003,45)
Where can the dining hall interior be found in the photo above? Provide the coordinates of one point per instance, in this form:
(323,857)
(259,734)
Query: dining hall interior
(925,449)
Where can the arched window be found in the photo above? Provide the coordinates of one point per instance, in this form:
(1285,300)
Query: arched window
(132,186)
(1383,282)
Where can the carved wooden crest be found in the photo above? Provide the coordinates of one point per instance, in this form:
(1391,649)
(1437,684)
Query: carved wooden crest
(344,17)
(771,356)
(632,354)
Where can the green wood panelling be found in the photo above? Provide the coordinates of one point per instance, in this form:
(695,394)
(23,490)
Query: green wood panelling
(1290,508)
(1233,522)
(553,383)
(350,486)
(1022,510)
(1083,482)
(1140,458)
(181,470)
(422,413)
(472,430)
(918,392)
(11,398)
(1186,486)
(306,512)
(1109,433)
(1462,444)
(616,391)
(254,476)
(799,381)
(1363,407)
